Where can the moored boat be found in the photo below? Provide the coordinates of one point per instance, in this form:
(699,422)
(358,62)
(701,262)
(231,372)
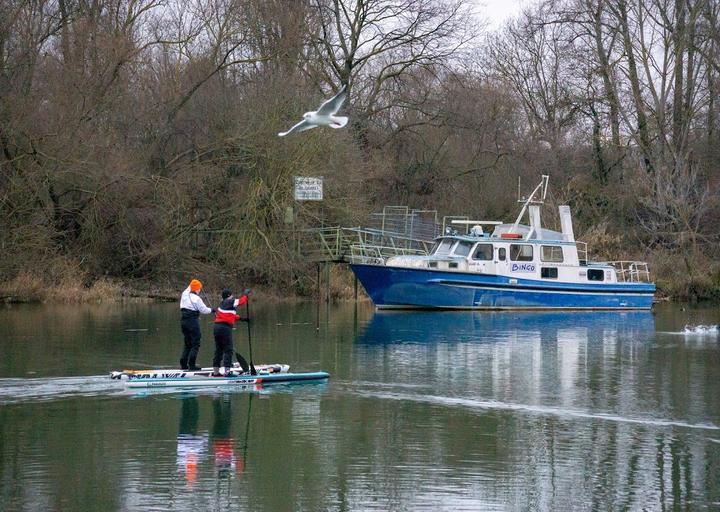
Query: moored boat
(517,266)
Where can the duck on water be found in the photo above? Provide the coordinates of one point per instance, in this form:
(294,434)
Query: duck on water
(517,266)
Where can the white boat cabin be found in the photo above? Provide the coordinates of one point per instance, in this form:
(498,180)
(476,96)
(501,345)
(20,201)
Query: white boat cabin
(519,251)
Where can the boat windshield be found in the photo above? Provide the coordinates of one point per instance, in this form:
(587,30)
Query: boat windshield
(463,248)
(443,247)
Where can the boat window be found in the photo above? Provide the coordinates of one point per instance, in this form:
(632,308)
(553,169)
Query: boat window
(463,248)
(595,274)
(483,252)
(553,253)
(521,252)
(501,253)
(443,247)
(549,272)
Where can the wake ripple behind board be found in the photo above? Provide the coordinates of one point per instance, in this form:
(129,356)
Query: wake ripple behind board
(53,388)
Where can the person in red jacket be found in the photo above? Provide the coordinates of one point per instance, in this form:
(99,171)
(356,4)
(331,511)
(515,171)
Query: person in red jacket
(225,317)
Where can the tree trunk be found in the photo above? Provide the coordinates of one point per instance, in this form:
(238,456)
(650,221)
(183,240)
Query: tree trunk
(679,48)
(642,128)
(605,72)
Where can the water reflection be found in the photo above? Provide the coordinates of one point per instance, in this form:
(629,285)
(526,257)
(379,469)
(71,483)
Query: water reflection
(460,326)
(571,359)
(227,461)
(543,406)
(191,446)
(219,445)
(449,411)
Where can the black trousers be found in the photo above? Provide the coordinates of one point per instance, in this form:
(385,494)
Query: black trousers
(190,327)
(223,345)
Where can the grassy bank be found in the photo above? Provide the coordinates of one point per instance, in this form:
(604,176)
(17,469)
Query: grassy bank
(676,279)
(33,288)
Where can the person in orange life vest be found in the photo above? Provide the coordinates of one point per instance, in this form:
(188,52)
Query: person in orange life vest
(225,318)
(191,307)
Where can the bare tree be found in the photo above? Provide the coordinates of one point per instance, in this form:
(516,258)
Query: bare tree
(535,60)
(371,45)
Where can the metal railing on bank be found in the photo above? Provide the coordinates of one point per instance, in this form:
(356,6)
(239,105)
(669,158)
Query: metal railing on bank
(338,244)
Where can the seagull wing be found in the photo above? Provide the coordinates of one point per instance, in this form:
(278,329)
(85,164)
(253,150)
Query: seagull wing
(333,104)
(300,127)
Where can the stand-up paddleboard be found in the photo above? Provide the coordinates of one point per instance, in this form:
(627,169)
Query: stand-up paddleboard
(164,373)
(239,381)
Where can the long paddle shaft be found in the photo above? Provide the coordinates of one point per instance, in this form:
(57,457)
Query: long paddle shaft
(253,371)
(205,297)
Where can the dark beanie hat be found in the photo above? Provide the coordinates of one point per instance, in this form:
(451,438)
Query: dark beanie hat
(226,293)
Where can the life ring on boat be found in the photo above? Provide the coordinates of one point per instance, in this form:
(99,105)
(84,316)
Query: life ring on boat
(511,235)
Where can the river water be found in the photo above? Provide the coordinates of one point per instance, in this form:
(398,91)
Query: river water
(423,410)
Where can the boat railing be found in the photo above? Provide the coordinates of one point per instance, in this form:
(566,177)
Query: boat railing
(582,252)
(379,238)
(631,271)
(369,254)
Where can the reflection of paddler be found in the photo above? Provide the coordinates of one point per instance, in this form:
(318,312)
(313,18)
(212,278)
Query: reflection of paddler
(190,447)
(223,444)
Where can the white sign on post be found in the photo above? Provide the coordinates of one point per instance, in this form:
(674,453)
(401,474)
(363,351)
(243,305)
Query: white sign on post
(308,188)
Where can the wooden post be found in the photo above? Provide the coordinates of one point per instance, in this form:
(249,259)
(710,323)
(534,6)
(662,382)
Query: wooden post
(317,316)
(327,283)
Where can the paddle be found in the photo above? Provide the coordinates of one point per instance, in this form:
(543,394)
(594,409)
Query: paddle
(253,371)
(204,296)
(243,363)
(247,433)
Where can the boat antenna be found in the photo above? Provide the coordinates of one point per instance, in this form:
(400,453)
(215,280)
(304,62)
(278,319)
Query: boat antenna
(545,181)
(542,186)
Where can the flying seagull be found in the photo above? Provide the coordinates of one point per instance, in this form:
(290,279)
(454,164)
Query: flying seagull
(324,116)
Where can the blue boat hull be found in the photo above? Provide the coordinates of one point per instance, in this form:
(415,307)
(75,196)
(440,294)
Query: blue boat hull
(396,287)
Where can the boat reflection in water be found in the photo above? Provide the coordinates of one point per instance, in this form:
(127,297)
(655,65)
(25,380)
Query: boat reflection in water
(388,327)
(553,358)
(544,411)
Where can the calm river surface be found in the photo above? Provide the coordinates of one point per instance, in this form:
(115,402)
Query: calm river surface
(423,410)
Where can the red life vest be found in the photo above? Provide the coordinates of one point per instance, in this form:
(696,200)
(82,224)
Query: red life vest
(226,312)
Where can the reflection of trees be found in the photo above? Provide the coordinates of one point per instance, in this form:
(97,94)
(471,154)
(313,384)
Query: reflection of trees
(477,367)
(351,447)
(71,340)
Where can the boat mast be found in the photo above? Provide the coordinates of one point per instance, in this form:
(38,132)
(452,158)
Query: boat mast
(530,200)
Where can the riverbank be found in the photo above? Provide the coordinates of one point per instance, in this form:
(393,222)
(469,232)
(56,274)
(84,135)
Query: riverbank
(30,288)
(79,287)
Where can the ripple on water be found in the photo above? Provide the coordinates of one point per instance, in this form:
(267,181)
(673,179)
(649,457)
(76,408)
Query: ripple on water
(471,403)
(41,389)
